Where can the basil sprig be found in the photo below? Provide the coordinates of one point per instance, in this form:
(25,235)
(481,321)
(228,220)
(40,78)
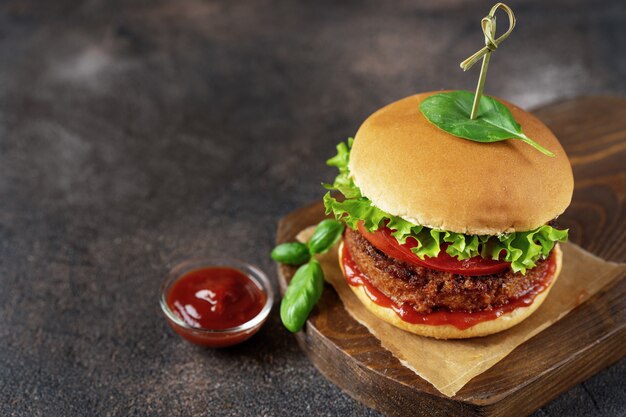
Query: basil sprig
(306,286)
(450,111)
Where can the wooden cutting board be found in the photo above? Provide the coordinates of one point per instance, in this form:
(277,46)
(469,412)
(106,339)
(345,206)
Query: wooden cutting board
(590,338)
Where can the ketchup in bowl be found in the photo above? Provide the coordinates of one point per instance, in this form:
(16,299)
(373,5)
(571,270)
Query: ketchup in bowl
(216,303)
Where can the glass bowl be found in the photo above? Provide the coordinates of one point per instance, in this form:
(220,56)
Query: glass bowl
(218,337)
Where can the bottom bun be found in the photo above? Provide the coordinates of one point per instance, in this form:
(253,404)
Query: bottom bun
(448,331)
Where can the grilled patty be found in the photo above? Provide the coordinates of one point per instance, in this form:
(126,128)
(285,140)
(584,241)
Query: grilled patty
(430,290)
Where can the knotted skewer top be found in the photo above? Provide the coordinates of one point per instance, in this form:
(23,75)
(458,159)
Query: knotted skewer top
(488,24)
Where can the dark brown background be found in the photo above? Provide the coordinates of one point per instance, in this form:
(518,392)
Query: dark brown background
(134,134)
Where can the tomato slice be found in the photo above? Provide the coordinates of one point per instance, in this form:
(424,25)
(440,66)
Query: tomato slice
(476,266)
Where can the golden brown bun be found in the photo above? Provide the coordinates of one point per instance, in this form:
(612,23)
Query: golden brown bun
(447,331)
(410,168)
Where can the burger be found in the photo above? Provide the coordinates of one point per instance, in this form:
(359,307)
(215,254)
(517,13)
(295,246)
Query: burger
(447,237)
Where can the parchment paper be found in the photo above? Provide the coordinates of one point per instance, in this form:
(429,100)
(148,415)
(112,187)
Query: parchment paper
(449,364)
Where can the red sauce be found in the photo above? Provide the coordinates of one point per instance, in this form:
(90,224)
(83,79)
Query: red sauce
(459,319)
(215,298)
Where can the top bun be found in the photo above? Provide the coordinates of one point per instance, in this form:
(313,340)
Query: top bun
(410,168)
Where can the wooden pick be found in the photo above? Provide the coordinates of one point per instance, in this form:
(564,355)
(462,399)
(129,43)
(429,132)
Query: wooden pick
(488,24)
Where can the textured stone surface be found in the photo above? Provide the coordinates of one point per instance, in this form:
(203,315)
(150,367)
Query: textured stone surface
(136,134)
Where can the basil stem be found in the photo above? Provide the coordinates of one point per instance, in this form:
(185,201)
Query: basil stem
(535,145)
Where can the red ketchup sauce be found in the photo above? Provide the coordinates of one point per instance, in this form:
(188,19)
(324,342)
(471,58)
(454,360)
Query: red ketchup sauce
(460,320)
(215,298)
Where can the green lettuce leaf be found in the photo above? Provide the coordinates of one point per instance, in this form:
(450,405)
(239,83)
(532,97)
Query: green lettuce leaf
(521,249)
(343,183)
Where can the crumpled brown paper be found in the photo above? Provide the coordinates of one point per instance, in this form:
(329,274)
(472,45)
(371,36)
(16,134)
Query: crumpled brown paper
(450,364)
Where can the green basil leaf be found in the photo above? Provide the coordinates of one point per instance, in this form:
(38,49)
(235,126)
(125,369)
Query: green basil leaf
(292,253)
(450,112)
(326,234)
(304,290)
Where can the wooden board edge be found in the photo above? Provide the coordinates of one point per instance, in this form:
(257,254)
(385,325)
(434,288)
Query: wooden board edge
(606,352)
(566,100)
